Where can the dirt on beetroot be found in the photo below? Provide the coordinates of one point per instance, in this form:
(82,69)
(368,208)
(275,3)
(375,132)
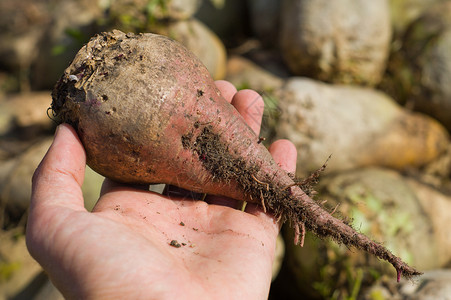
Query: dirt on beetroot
(224,166)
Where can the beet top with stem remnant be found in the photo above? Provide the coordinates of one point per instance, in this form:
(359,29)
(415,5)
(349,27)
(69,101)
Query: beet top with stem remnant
(147,111)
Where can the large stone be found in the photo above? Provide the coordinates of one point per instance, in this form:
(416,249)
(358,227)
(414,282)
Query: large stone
(39,38)
(176,9)
(433,285)
(342,41)
(436,205)
(357,126)
(420,72)
(21,277)
(17,268)
(16,185)
(25,111)
(9,83)
(22,25)
(243,73)
(379,203)
(73,22)
(140,12)
(403,12)
(16,174)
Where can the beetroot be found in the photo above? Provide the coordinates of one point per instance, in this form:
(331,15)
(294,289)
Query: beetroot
(147,111)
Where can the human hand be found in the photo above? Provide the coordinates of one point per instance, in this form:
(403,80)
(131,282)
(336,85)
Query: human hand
(122,249)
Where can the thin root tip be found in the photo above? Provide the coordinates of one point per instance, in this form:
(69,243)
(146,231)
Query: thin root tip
(407,274)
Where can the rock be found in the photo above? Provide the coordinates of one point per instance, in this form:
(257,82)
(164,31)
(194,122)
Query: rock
(381,205)
(16,188)
(17,268)
(419,73)
(384,206)
(22,26)
(26,112)
(243,73)
(438,172)
(140,12)
(16,174)
(39,38)
(201,41)
(357,126)
(415,140)
(403,12)
(432,285)
(73,22)
(175,9)
(436,205)
(344,41)
(8,84)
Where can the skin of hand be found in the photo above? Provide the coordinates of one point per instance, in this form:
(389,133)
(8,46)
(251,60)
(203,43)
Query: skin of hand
(121,250)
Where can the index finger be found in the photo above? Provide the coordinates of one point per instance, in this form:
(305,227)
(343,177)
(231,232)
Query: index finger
(227,89)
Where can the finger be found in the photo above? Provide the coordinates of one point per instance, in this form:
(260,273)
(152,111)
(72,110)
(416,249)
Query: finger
(226,88)
(284,154)
(250,105)
(58,179)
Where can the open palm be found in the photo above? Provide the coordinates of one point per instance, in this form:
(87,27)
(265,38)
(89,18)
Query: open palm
(139,244)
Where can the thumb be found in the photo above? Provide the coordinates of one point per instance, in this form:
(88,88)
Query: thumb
(58,179)
(56,193)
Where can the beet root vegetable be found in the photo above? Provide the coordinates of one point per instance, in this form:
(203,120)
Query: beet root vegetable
(147,111)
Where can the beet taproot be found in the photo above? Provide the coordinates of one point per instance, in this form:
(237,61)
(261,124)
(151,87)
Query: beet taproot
(147,111)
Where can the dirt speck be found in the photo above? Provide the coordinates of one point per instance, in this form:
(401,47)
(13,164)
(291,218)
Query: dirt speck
(175,244)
